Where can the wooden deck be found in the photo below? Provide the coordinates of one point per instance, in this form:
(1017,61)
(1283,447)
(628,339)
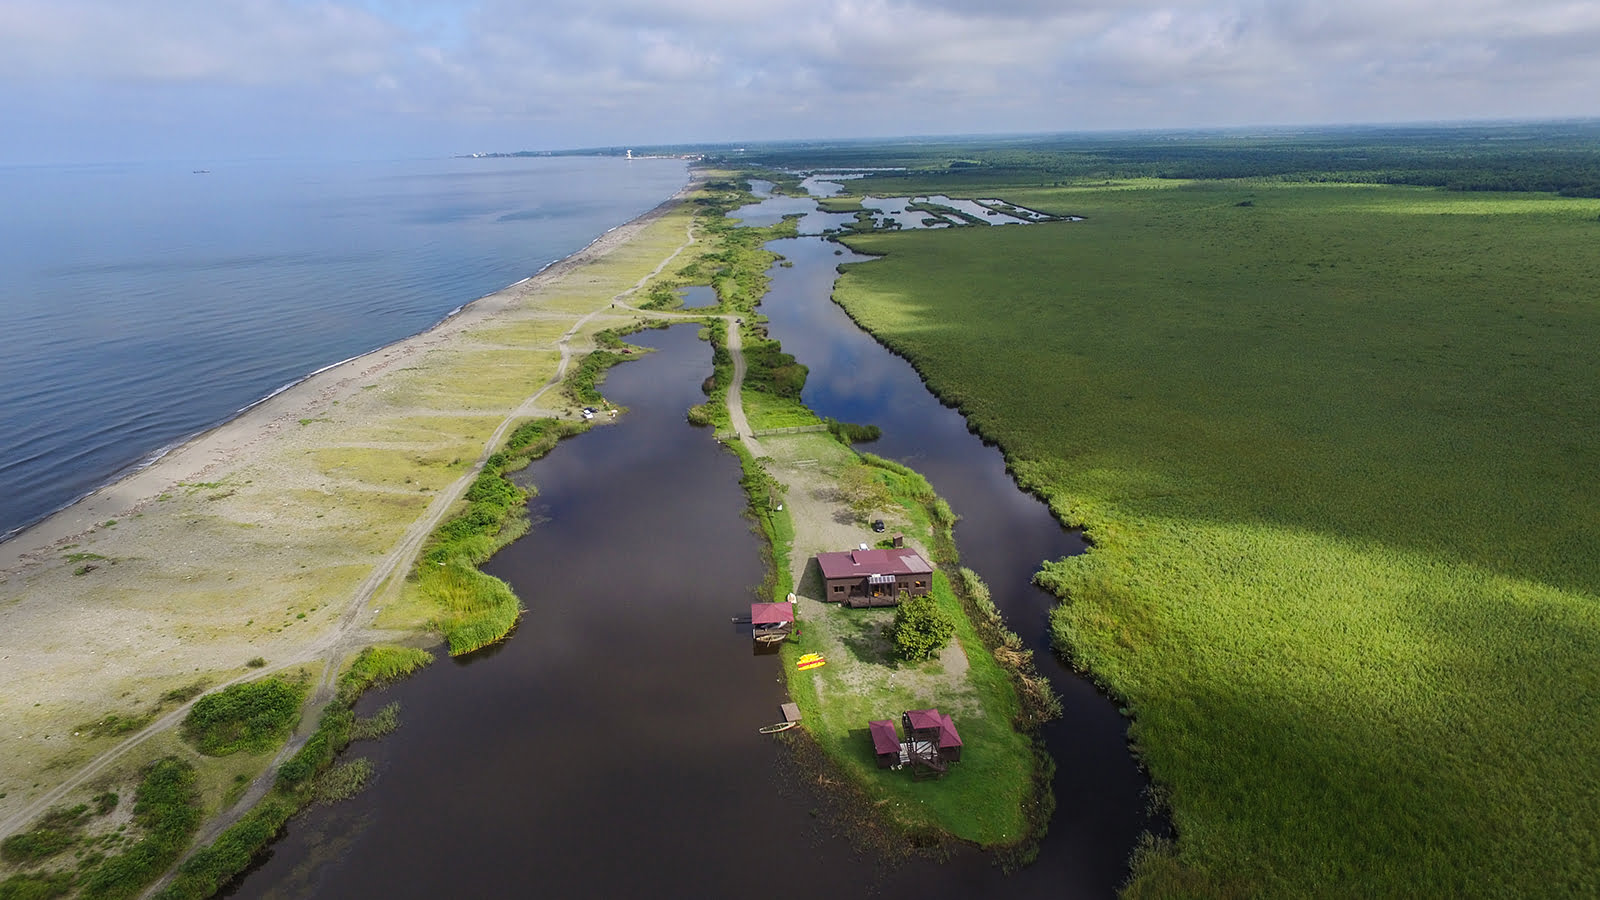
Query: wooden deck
(924,756)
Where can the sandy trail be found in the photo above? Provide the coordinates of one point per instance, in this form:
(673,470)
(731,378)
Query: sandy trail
(736,416)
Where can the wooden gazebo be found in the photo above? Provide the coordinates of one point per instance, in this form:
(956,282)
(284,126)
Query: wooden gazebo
(771,622)
(885,743)
(932,742)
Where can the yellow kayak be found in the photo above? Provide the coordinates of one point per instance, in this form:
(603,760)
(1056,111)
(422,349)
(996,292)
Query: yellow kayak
(810,661)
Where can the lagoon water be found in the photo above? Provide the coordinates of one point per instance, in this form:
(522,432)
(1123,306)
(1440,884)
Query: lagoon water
(609,746)
(140,304)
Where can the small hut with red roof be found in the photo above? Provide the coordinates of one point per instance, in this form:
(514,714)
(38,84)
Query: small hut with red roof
(885,743)
(771,622)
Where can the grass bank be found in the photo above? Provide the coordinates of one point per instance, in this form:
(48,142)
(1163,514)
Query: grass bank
(309,776)
(108,864)
(474,609)
(1335,447)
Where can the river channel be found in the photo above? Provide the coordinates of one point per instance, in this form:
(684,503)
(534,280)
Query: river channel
(1003,534)
(609,746)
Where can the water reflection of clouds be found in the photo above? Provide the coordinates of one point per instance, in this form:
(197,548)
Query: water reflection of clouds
(815,221)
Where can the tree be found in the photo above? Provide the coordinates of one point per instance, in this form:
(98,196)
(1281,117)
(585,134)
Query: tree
(921,629)
(862,488)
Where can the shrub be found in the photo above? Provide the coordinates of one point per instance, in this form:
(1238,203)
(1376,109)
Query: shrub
(920,629)
(166,806)
(700,415)
(850,433)
(255,715)
(861,487)
(36,887)
(36,845)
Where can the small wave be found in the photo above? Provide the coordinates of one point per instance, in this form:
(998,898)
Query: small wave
(287,385)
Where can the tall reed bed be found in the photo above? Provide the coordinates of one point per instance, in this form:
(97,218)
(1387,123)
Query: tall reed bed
(1335,452)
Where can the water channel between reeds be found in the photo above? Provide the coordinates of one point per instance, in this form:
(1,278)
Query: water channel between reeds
(1003,534)
(609,745)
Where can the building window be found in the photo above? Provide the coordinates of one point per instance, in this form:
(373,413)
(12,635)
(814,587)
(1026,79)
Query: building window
(838,589)
(921,584)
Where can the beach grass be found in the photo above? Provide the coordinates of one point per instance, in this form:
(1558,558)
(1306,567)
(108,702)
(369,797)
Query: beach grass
(252,715)
(529,332)
(1336,453)
(431,468)
(312,775)
(470,608)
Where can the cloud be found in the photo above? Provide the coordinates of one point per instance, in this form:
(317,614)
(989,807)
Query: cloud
(585,72)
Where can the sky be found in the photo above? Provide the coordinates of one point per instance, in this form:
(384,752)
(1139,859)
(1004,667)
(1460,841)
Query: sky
(123,80)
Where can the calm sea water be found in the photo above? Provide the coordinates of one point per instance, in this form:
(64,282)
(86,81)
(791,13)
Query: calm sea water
(142,304)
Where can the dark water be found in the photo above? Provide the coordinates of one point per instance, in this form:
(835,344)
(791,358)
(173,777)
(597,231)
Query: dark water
(141,304)
(610,746)
(1003,534)
(698,296)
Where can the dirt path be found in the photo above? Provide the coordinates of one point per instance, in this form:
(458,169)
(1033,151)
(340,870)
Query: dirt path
(736,416)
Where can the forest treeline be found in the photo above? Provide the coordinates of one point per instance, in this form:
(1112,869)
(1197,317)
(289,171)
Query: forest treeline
(1562,158)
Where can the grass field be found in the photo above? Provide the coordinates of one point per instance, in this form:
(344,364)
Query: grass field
(1339,454)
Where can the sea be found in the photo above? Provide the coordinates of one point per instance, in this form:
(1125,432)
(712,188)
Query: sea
(141,304)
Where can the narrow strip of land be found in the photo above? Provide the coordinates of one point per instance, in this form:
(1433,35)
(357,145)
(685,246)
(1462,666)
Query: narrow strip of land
(259,493)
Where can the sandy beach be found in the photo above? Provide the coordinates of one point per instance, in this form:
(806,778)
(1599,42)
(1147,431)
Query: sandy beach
(281,536)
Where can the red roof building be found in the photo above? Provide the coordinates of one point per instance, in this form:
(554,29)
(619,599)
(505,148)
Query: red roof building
(949,741)
(924,722)
(885,742)
(771,613)
(874,577)
(936,730)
